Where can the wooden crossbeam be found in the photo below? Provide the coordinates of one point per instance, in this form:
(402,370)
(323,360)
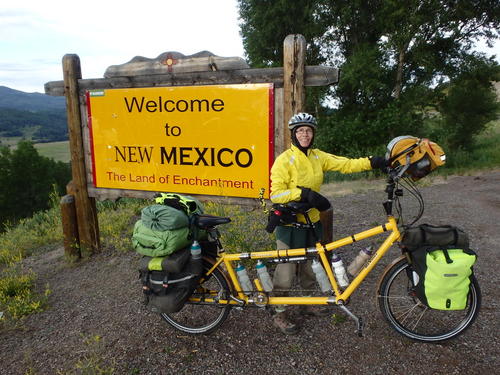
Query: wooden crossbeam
(314,76)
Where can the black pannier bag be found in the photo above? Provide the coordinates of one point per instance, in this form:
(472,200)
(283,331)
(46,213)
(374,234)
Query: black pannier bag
(435,235)
(442,265)
(169,281)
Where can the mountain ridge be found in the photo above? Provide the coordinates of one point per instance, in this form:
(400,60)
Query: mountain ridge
(34,116)
(32,102)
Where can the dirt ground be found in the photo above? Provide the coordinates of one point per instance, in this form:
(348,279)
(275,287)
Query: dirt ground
(102,298)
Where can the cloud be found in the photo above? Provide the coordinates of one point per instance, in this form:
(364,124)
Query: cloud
(35,36)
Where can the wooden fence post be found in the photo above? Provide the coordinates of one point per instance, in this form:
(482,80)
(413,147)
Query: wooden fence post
(294,59)
(86,213)
(70,228)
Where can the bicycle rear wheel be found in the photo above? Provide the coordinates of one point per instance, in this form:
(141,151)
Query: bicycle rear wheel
(202,313)
(408,316)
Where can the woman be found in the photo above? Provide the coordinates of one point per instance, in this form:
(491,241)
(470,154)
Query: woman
(297,175)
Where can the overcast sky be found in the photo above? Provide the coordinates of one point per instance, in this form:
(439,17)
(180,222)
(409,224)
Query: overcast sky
(35,35)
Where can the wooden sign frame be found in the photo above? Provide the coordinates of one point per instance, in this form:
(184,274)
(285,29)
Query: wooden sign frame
(289,98)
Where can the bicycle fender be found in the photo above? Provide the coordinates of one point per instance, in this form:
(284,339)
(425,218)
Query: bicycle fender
(387,268)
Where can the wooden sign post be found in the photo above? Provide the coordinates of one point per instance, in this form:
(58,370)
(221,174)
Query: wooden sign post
(86,212)
(169,70)
(294,56)
(294,51)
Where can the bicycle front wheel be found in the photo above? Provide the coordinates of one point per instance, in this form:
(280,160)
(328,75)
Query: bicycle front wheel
(202,313)
(408,316)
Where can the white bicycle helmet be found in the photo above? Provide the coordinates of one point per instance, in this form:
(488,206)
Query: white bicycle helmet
(302,119)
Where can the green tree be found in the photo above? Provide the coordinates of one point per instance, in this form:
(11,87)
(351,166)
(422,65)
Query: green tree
(394,57)
(266,23)
(472,89)
(27,179)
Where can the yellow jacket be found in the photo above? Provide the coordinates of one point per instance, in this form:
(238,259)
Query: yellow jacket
(293,168)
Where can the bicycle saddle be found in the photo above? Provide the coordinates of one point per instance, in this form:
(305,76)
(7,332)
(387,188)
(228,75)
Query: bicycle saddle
(209,221)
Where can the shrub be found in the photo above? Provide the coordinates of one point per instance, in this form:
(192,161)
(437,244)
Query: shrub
(246,232)
(17,295)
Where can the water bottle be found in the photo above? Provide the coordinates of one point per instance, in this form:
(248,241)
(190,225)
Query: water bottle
(196,264)
(360,260)
(243,279)
(339,269)
(195,250)
(321,277)
(265,279)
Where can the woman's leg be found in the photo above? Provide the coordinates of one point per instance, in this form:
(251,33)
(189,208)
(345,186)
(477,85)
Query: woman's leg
(284,274)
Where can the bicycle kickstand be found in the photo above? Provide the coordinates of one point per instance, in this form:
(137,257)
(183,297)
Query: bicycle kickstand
(359,321)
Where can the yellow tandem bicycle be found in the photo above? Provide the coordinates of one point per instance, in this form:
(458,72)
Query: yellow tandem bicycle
(219,289)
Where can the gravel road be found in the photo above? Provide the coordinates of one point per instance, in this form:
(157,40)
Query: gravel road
(102,298)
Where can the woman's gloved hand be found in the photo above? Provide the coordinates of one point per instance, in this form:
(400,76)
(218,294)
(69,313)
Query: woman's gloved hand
(378,162)
(316,200)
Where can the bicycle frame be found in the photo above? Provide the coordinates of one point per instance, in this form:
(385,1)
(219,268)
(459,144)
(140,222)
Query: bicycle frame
(339,297)
(260,298)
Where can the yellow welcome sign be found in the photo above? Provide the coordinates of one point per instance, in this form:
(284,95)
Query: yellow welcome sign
(213,140)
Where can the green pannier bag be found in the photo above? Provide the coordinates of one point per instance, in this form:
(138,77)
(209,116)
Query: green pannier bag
(173,263)
(442,265)
(155,243)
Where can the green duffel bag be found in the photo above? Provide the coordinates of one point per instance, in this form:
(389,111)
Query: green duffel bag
(154,243)
(160,218)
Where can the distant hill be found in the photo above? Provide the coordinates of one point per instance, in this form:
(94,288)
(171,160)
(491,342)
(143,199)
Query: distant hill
(34,116)
(33,102)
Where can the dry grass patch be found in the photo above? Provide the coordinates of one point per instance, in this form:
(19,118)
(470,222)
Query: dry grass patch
(342,188)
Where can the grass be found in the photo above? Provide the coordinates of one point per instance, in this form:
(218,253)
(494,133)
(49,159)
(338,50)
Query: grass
(59,151)
(18,296)
(92,362)
(18,292)
(31,235)
(116,220)
(10,141)
(246,230)
(484,155)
